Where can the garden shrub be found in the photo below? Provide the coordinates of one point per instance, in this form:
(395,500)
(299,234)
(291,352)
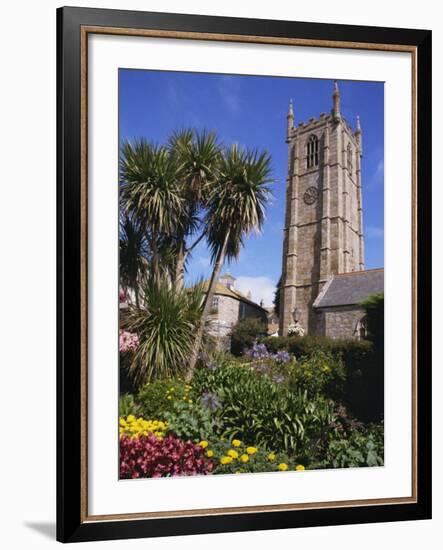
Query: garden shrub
(245,333)
(127,406)
(159,397)
(361,446)
(320,373)
(149,456)
(361,390)
(191,421)
(258,410)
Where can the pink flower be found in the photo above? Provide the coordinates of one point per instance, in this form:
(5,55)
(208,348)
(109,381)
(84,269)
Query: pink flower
(128,341)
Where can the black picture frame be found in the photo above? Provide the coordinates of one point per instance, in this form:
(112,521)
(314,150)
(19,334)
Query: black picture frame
(71,523)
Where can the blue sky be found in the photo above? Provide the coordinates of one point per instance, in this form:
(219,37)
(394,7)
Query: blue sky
(251,111)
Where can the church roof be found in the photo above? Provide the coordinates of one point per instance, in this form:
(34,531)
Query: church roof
(350,288)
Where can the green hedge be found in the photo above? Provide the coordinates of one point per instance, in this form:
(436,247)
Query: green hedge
(363,388)
(245,333)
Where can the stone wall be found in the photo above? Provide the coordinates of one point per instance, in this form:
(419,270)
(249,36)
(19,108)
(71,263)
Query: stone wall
(339,322)
(220,322)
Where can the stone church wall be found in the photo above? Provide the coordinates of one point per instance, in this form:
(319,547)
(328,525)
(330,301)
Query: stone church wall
(339,322)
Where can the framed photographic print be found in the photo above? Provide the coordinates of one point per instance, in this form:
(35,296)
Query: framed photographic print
(244,271)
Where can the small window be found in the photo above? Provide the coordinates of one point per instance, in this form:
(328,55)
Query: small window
(312,152)
(349,158)
(214,304)
(242,310)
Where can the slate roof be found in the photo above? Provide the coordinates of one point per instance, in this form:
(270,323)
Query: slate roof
(350,288)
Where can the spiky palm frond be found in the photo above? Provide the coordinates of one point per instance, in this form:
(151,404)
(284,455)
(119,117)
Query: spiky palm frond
(149,188)
(166,327)
(238,199)
(134,253)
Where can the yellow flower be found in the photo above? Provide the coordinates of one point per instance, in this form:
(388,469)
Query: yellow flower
(282,467)
(203,444)
(251,450)
(122,422)
(131,418)
(236,442)
(190,401)
(169,397)
(209,453)
(226,459)
(271,456)
(244,458)
(299,467)
(232,453)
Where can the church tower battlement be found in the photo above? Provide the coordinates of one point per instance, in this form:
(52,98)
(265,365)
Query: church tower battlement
(323,232)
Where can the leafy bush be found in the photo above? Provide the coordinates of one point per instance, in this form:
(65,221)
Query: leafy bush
(245,333)
(165,328)
(159,397)
(320,373)
(191,421)
(363,446)
(148,456)
(127,406)
(374,306)
(361,390)
(258,410)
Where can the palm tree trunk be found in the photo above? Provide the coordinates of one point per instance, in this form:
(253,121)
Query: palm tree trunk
(207,307)
(179,276)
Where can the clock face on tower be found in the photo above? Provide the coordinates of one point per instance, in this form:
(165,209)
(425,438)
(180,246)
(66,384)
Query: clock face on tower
(311,195)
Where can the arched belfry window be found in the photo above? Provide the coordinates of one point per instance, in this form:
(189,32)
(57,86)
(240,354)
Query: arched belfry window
(312,152)
(349,158)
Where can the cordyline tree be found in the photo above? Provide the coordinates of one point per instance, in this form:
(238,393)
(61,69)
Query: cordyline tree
(171,198)
(236,207)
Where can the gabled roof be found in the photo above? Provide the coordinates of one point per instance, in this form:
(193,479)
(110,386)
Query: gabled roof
(350,288)
(223,290)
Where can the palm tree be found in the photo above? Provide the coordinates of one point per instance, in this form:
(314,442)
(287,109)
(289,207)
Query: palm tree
(134,254)
(150,192)
(165,326)
(197,156)
(235,208)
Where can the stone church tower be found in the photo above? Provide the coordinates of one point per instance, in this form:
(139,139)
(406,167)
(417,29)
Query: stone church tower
(323,232)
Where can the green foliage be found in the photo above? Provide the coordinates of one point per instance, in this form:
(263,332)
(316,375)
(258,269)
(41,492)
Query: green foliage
(237,199)
(259,411)
(361,390)
(374,306)
(361,447)
(191,421)
(320,373)
(165,326)
(245,333)
(159,397)
(276,300)
(127,405)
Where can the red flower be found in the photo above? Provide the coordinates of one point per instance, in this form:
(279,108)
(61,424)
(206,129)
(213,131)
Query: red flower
(147,456)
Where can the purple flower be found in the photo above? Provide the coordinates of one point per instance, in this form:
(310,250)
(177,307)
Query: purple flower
(278,378)
(210,400)
(258,351)
(282,357)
